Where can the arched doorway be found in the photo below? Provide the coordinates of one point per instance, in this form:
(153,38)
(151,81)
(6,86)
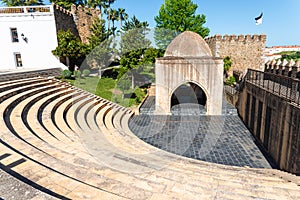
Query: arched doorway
(188,96)
(189,60)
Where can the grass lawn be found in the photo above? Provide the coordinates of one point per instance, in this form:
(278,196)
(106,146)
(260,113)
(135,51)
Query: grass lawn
(106,88)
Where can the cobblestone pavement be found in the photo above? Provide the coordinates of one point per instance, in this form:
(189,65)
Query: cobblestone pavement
(12,188)
(219,139)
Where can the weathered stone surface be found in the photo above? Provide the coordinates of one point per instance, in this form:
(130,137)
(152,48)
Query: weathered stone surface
(102,158)
(245,51)
(273,119)
(188,60)
(188,44)
(64,20)
(78,20)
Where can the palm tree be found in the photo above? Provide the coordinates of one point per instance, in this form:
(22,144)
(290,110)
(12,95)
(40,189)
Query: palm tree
(97,4)
(145,27)
(108,11)
(122,16)
(114,17)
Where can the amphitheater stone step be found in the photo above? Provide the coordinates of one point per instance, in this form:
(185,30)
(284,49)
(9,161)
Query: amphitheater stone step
(94,153)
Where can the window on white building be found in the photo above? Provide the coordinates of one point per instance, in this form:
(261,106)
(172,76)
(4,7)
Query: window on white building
(18,59)
(14,35)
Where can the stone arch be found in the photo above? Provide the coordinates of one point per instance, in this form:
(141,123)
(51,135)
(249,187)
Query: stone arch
(198,85)
(189,59)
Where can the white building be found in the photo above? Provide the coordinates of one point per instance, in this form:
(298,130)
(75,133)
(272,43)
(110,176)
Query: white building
(272,53)
(27,37)
(278,49)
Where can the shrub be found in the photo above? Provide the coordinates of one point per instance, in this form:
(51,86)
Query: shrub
(227,63)
(86,72)
(140,94)
(230,80)
(66,73)
(77,73)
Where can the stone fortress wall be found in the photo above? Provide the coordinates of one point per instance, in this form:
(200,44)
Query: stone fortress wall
(84,19)
(78,20)
(245,51)
(64,20)
(269,105)
(285,68)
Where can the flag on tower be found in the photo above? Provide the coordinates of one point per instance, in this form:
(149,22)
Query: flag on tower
(258,20)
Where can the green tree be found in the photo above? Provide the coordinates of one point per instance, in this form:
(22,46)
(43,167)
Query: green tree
(227,65)
(139,63)
(151,54)
(22,2)
(290,55)
(134,36)
(98,32)
(97,4)
(114,16)
(176,16)
(65,3)
(108,11)
(102,48)
(69,47)
(123,16)
(134,47)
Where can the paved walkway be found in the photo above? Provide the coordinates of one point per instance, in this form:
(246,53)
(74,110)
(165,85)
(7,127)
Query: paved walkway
(218,139)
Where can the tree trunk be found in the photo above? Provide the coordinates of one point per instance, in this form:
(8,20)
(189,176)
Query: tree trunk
(108,23)
(100,15)
(132,81)
(68,62)
(99,72)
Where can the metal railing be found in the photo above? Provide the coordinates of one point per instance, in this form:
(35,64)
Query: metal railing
(285,87)
(230,90)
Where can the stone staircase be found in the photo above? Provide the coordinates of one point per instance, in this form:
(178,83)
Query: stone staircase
(74,145)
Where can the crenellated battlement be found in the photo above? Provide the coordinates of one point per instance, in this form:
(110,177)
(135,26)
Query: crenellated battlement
(58,8)
(285,68)
(245,51)
(237,38)
(64,19)
(83,18)
(78,20)
(84,10)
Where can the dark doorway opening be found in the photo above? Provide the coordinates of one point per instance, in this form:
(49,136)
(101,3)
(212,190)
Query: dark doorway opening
(189,93)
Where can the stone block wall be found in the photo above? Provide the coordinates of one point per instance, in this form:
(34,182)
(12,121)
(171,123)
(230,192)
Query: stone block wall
(245,51)
(274,122)
(78,20)
(84,19)
(64,20)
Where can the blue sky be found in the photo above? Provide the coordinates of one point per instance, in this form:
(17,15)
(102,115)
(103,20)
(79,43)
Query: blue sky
(281,20)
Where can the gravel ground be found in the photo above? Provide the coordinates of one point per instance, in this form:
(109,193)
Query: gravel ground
(12,188)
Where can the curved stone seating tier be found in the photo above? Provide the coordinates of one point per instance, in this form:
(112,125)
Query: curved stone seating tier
(46,121)
(78,146)
(17,81)
(9,93)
